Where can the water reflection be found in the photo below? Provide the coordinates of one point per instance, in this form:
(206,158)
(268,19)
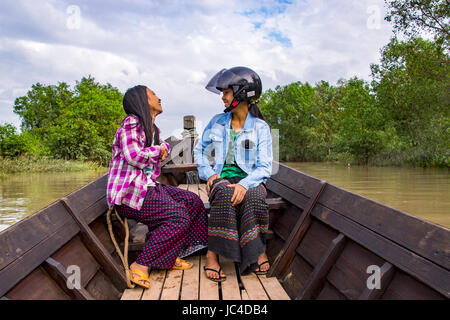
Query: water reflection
(423,192)
(24,194)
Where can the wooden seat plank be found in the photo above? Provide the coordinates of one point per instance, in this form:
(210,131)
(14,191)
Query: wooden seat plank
(191,280)
(273,288)
(172,285)
(230,287)
(193,188)
(157,278)
(209,290)
(59,273)
(254,287)
(202,193)
(184,167)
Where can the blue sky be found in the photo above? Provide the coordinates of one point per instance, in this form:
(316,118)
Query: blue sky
(175,46)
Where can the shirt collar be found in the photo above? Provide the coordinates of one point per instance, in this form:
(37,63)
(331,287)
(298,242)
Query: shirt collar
(249,123)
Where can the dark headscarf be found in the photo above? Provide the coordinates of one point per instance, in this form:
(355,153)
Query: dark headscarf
(135,101)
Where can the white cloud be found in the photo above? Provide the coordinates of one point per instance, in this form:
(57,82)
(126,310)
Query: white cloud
(174,47)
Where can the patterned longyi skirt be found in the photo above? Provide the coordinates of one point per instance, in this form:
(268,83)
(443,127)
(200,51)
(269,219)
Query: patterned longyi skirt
(177,224)
(238,233)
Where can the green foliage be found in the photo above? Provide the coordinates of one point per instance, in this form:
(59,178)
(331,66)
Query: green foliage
(401,118)
(288,109)
(360,132)
(322,130)
(11,144)
(412,84)
(324,122)
(414,16)
(28,164)
(76,124)
(42,105)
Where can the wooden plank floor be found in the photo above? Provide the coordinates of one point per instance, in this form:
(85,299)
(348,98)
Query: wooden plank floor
(192,284)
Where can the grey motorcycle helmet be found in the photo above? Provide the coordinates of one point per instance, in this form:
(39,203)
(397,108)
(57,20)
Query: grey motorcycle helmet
(245,83)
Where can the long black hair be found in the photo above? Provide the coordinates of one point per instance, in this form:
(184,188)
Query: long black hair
(254,110)
(135,101)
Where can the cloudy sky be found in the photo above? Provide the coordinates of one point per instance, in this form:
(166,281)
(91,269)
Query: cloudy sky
(175,46)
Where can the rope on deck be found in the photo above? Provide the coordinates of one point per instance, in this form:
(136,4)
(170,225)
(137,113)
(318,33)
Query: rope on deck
(124,256)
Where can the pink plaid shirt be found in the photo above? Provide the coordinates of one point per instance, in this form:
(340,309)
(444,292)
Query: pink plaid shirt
(133,167)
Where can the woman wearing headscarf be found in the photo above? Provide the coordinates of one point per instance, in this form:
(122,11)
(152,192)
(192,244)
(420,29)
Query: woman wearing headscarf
(176,219)
(240,144)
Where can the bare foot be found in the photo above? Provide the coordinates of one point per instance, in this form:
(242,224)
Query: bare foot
(212,262)
(266,266)
(135,265)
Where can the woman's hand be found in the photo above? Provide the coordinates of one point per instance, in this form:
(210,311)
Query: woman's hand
(210,181)
(238,195)
(163,154)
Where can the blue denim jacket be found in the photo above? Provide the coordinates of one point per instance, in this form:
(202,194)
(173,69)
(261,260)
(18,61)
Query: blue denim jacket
(252,149)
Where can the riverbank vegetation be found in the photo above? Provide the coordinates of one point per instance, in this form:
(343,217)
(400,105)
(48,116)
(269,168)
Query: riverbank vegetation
(27,164)
(62,128)
(401,116)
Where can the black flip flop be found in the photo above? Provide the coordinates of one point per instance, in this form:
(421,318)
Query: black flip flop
(220,279)
(259,268)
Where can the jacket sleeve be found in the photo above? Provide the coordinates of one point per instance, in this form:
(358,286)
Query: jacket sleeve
(263,161)
(201,151)
(134,151)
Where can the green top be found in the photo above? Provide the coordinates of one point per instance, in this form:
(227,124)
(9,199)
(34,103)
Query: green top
(230,168)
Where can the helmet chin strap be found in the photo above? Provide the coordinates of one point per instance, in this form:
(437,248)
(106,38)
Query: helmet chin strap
(233,105)
(235,101)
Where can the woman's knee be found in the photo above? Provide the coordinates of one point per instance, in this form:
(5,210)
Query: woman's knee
(196,200)
(181,221)
(225,194)
(257,193)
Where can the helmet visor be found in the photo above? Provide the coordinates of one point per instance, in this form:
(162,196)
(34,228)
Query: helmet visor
(222,80)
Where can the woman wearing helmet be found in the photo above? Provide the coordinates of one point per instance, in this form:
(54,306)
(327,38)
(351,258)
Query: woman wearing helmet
(240,145)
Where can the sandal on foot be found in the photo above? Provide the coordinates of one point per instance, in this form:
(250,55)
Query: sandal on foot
(141,276)
(220,279)
(184,265)
(259,272)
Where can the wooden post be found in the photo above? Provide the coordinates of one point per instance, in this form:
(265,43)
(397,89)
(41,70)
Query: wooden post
(189,122)
(98,250)
(317,278)
(190,134)
(286,254)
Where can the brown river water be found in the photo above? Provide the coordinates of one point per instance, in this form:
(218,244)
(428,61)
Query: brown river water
(23,194)
(424,193)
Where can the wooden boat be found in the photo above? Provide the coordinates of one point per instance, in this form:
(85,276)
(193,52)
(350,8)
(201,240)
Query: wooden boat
(324,243)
